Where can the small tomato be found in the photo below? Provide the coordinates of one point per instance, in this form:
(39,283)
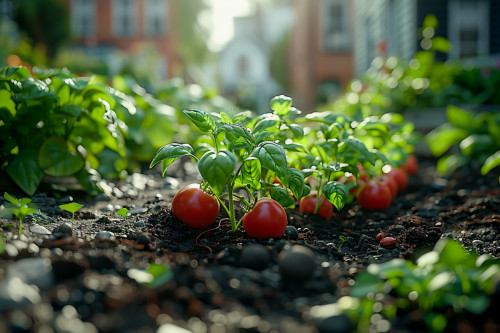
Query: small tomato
(411,165)
(307,204)
(194,207)
(391,184)
(400,177)
(267,219)
(374,195)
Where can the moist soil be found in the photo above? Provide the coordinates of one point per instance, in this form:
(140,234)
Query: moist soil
(215,280)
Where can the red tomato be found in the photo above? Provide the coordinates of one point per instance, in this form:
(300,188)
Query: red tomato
(391,184)
(411,165)
(351,179)
(400,177)
(374,195)
(267,219)
(308,204)
(194,207)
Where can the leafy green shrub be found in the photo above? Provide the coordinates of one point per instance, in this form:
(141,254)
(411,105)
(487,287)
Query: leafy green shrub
(54,123)
(447,278)
(476,135)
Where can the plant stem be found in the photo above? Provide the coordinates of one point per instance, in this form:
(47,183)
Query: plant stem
(231,207)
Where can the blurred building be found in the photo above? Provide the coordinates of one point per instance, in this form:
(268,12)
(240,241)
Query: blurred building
(391,27)
(321,55)
(244,63)
(102,28)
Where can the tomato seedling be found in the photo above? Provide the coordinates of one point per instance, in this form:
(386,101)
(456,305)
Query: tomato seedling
(233,158)
(20,208)
(122,212)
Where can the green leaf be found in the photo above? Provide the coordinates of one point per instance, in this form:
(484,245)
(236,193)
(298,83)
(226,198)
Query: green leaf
(449,163)
(298,132)
(440,44)
(217,168)
(272,157)
(237,131)
(461,118)
(161,274)
(17,73)
(36,90)
(242,117)
(71,109)
(281,196)
(71,207)
(490,163)
(225,119)
(443,137)
(7,103)
(294,180)
(13,200)
(337,193)
(122,212)
(25,171)
(264,122)
(359,147)
(57,160)
(250,173)
(261,136)
(366,283)
(170,153)
(202,120)
(281,104)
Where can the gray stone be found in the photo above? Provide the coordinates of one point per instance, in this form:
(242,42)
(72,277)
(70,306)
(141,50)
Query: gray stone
(105,235)
(255,256)
(35,271)
(14,293)
(62,230)
(39,230)
(297,264)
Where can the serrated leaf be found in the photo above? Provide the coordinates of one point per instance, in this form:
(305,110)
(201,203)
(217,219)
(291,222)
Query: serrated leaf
(294,180)
(281,104)
(217,168)
(250,173)
(272,156)
(282,197)
(337,193)
(265,122)
(298,132)
(490,163)
(201,119)
(170,153)
(238,131)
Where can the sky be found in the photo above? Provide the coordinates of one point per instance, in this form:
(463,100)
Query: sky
(221,19)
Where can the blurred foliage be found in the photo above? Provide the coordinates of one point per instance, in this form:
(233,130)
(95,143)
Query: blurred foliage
(393,85)
(477,137)
(279,63)
(444,286)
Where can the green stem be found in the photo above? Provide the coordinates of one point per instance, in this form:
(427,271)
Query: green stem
(234,226)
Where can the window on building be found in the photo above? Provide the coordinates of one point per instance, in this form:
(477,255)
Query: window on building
(124,17)
(335,25)
(155,14)
(82,17)
(468,28)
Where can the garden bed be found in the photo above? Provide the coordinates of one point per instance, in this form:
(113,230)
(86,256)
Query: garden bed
(214,280)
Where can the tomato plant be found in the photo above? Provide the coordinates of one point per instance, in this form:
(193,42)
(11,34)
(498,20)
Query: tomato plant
(374,195)
(308,205)
(233,157)
(267,219)
(195,207)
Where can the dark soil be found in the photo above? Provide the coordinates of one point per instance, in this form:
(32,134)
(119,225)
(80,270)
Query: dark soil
(91,281)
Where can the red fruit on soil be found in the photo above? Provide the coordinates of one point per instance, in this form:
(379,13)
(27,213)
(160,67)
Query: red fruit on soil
(400,177)
(267,219)
(391,184)
(374,195)
(308,205)
(380,236)
(194,207)
(411,165)
(388,242)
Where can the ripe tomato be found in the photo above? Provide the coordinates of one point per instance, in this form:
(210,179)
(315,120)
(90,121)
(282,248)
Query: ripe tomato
(194,207)
(374,195)
(400,177)
(411,165)
(308,204)
(391,184)
(267,219)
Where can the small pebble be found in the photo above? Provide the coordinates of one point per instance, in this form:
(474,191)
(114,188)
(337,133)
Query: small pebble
(297,264)
(138,210)
(255,256)
(139,224)
(291,232)
(62,230)
(143,239)
(335,324)
(388,242)
(102,235)
(399,228)
(39,230)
